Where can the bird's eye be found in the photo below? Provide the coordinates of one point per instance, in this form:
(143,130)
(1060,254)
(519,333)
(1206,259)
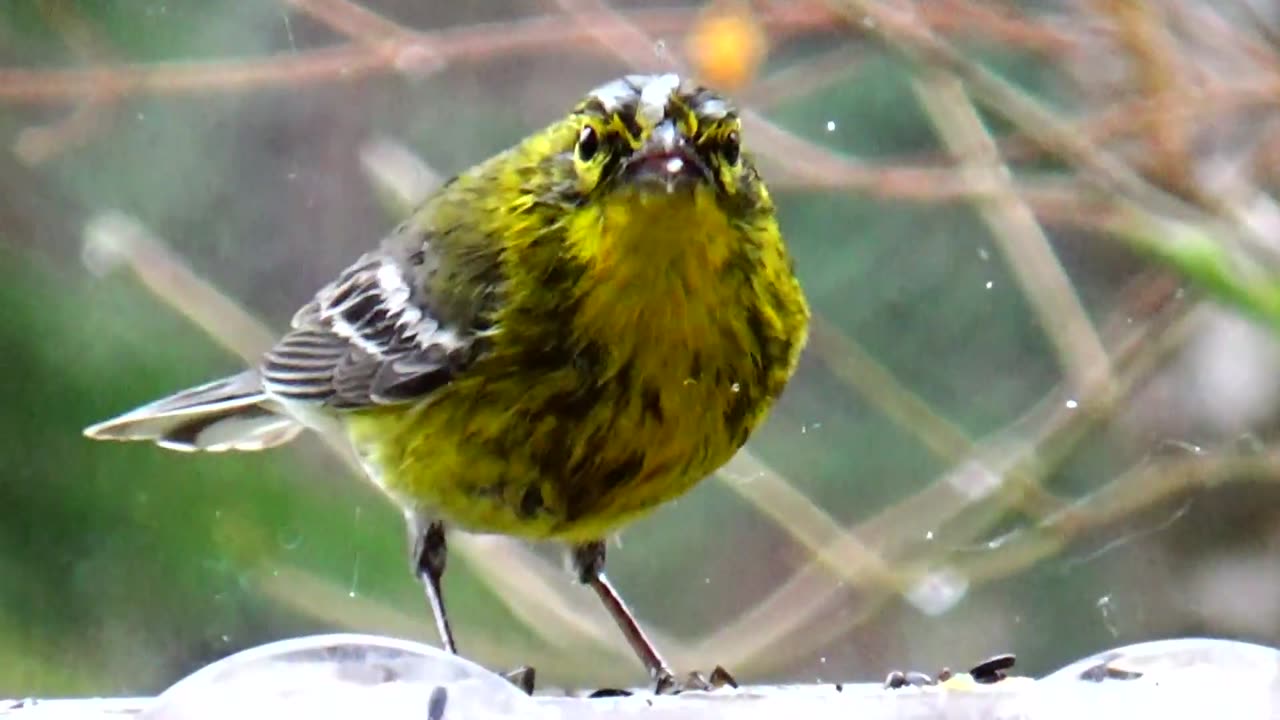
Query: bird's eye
(731,148)
(588,143)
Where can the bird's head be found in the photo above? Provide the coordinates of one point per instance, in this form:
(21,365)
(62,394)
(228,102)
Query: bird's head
(658,138)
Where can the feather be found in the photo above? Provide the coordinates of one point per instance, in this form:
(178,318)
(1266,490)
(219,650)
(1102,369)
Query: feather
(369,338)
(229,414)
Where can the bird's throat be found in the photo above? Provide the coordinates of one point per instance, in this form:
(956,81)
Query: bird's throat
(660,281)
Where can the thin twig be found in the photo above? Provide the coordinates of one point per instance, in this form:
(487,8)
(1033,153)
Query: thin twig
(353,20)
(782,627)
(1141,31)
(903,31)
(344,63)
(40,143)
(1019,236)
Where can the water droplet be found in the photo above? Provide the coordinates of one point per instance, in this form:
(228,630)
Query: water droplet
(822,660)
(990,284)
(831,126)
(983,254)
(1072,405)
(938,592)
(226,638)
(928,535)
(735,387)
(1104,609)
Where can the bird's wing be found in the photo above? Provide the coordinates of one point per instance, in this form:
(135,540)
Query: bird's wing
(371,338)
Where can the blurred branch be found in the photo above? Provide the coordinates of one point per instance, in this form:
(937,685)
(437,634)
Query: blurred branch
(1136,490)
(389,47)
(348,63)
(354,21)
(114,239)
(854,366)
(1016,232)
(1141,31)
(802,78)
(904,31)
(41,87)
(40,143)
(848,361)
(1132,116)
(908,536)
(1269,35)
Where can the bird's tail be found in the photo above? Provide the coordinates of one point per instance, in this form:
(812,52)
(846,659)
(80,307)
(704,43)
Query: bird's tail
(228,414)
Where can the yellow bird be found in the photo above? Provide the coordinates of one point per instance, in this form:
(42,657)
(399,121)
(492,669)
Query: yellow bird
(560,339)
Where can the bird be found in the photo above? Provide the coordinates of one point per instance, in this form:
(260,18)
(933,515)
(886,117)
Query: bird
(554,343)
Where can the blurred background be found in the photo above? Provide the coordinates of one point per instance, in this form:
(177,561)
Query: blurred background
(1038,413)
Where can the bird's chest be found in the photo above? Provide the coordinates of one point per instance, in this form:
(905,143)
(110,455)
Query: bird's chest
(570,453)
(630,424)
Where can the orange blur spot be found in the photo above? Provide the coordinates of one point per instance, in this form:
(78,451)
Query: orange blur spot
(726,45)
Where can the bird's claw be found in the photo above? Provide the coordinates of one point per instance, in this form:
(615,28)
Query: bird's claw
(522,677)
(666,683)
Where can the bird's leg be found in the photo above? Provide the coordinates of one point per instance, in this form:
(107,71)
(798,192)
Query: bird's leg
(429,551)
(588,564)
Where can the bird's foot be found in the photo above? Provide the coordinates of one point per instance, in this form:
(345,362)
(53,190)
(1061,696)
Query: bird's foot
(666,683)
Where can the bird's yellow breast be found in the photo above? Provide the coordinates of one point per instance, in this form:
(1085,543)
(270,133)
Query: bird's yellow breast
(650,376)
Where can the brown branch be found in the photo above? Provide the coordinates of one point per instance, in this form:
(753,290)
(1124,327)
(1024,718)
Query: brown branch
(40,143)
(343,63)
(1141,31)
(1017,233)
(45,86)
(354,21)
(1132,116)
(782,627)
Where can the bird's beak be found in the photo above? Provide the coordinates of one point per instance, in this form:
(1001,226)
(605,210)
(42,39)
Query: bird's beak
(667,160)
